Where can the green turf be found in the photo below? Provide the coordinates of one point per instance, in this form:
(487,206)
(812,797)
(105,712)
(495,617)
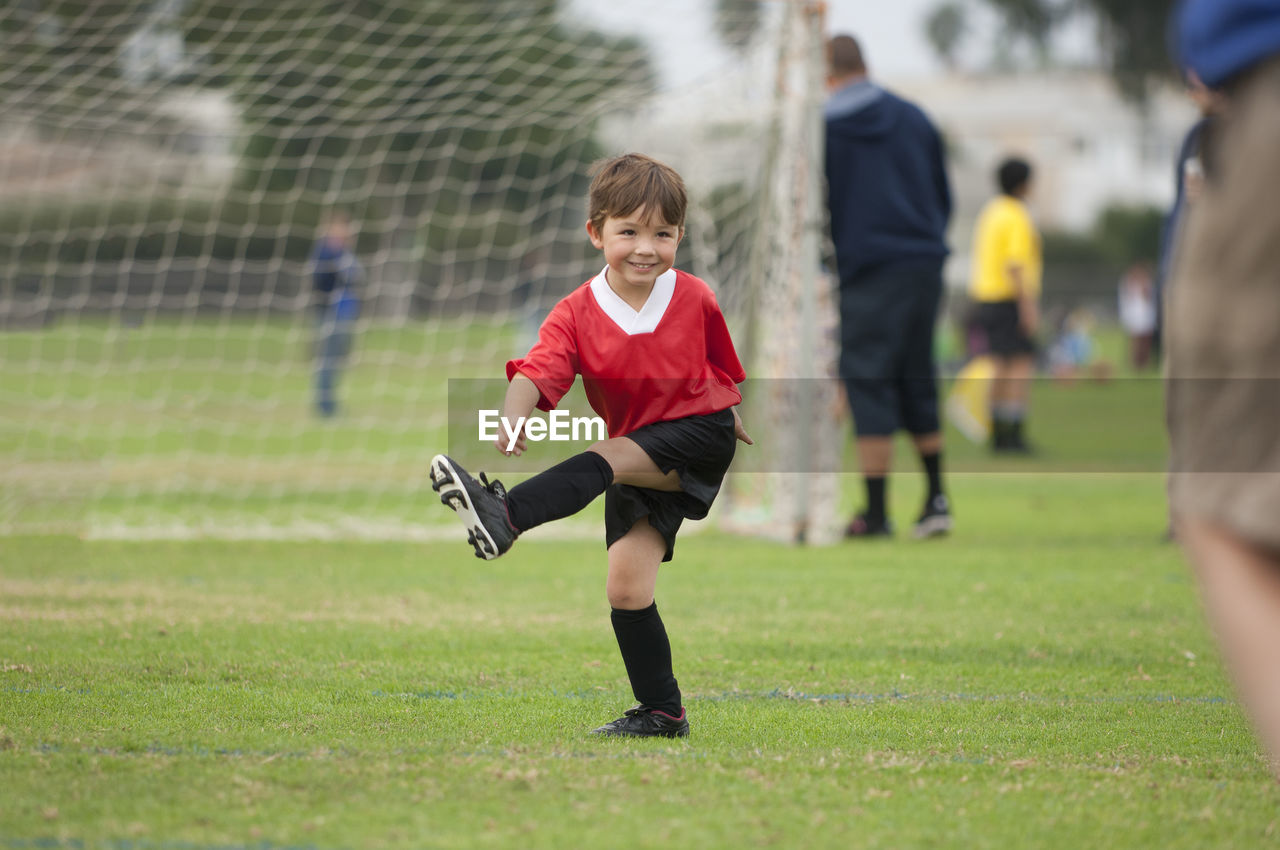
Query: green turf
(1043,678)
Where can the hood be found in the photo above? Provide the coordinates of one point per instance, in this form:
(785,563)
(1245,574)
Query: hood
(1221,38)
(860,110)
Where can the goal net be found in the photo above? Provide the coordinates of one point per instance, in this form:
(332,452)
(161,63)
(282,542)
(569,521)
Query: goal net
(183,357)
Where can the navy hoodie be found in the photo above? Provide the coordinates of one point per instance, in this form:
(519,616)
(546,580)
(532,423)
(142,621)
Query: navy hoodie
(886,180)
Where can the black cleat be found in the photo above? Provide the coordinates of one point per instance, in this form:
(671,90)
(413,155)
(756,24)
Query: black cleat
(481,505)
(862,526)
(935,519)
(642,722)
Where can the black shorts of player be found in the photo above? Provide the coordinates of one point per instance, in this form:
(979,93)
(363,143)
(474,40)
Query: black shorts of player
(999,322)
(699,449)
(887,319)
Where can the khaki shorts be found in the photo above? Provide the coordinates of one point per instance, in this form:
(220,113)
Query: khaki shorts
(1223,364)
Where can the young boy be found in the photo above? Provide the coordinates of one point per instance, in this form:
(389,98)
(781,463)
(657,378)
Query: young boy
(1005,288)
(660,369)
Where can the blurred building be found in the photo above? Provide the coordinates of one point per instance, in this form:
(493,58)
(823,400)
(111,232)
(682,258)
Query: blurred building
(185,138)
(1090,147)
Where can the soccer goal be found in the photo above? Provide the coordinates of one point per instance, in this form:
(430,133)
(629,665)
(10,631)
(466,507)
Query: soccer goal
(168,169)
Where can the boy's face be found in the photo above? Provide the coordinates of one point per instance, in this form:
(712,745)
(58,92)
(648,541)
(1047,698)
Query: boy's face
(339,230)
(637,248)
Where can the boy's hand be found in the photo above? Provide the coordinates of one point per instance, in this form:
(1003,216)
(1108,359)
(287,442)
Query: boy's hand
(504,444)
(739,431)
(522,396)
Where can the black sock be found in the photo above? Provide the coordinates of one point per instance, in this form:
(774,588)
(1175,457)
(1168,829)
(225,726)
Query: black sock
(560,491)
(999,431)
(646,652)
(1015,432)
(875,497)
(933,471)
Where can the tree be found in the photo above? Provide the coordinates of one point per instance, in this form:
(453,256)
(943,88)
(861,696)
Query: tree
(377,80)
(945,27)
(440,124)
(1131,34)
(737,22)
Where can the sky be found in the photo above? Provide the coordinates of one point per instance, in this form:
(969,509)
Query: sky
(891,32)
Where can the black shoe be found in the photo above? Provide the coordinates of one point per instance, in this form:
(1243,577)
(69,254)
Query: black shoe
(642,722)
(481,505)
(1016,446)
(1008,440)
(863,525)
(935,519)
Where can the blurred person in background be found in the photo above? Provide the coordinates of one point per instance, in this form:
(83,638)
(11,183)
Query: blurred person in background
(1223,347)
(335,274)
(1074,354)
(890,201)
(1188,180)
(1004,285)
(1136,305)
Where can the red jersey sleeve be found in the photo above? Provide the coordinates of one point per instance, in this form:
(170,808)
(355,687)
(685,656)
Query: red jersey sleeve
(720,351)
(552,363)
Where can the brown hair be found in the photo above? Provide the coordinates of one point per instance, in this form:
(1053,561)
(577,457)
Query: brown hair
(626,183)
(844,56)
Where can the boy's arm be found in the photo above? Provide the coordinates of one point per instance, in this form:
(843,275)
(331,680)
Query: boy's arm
(1021,246)
(522,396)
(1028,302)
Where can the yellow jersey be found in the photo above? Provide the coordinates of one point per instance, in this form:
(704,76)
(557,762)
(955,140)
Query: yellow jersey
(1004,236)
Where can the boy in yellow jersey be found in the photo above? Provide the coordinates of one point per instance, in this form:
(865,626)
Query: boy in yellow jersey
(1005,288)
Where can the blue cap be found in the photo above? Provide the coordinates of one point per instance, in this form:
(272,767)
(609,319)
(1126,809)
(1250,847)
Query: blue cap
(1220,38)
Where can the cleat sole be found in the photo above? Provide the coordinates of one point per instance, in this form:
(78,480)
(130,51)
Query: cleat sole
(454,496)
(937,526)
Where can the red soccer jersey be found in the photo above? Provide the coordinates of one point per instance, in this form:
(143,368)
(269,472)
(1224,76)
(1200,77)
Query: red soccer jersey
(674,358)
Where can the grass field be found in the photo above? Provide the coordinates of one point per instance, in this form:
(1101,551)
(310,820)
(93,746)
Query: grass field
(1044,678)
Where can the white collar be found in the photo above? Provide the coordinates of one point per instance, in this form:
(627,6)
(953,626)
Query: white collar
(645,321)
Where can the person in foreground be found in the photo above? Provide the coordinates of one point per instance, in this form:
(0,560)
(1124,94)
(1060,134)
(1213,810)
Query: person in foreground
(1223,359)
(659,367)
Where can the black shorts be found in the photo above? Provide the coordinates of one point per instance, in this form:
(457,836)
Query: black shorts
(887,319)
(999,323)
(699,449)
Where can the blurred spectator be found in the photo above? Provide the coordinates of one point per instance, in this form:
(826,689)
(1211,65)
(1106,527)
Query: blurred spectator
(1188,180)
(889,200)
(335,276)
(1073,353)
(1137,308)
(1223,360)
(1005,287)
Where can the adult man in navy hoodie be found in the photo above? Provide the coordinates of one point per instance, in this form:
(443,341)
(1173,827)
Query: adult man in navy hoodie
(889,201)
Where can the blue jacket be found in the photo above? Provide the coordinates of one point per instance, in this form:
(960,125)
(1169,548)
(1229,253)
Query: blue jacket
(1220,38)
(334,266)
(886,180)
